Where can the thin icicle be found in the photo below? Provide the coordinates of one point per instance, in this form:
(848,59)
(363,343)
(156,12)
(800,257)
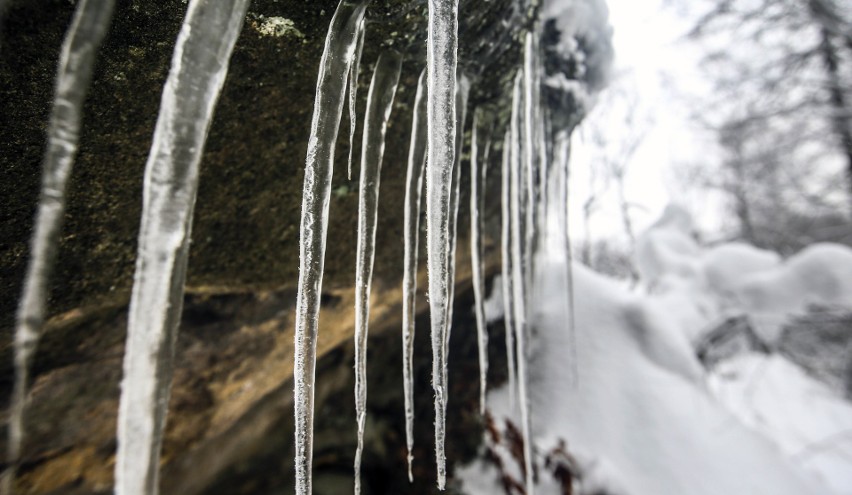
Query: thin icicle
(199,66)
(506,266)
(518,276)
(379,103)
(476,257)
(411,229)
(563,148)
(328,108)
(442,47)
(353,94)
(76,61)
(530,157)
(462,91)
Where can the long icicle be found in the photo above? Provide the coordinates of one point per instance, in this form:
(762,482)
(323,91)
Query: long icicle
(476,258)
(411,229)
(506,266)
(462,91)
(442,47)
(530,157)
(379,104)
(519,277)
(199,67)
(563,147)
(76,62)
(353,94)
(328,107)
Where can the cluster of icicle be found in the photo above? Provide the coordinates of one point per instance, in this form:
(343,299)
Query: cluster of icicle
(534,174)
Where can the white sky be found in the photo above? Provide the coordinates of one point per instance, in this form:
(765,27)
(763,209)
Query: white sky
(662,72)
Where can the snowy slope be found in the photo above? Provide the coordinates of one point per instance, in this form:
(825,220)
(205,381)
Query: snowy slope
(639,416)
(803,416)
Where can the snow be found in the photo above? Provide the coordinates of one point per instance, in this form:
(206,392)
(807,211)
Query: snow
(379,104)
(334,70)
(802,416)
(411,229)
(642,416)
(442,56)
(199,65)
(666,253)
(634,422)
(820,273)
(725,265)
(76,61)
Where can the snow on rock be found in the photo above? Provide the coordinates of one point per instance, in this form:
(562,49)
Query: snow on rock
(700,287)
(809,422)
(819,274)
(666,253)
(634,418)
(725,265)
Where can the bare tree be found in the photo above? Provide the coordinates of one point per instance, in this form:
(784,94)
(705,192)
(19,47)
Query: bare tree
(789,63)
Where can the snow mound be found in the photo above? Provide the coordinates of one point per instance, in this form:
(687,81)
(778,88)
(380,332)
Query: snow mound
(803,416)
(666,253)
(725,265)
(819,274)
(637,416)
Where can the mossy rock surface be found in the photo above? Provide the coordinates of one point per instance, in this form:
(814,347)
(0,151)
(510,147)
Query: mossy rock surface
(232,390)
(246,227)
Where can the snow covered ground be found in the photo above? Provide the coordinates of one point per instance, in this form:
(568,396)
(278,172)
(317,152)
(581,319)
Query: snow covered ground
(637,411)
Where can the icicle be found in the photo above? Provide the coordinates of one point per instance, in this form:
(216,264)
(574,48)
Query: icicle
(199,66)
(476,181)
(506,266)
(530,204)
(462,91)
(442,47)
(76,61)
(328,107)
(353,93)
(411,229)
(563,152)
(518,279)
(379,103)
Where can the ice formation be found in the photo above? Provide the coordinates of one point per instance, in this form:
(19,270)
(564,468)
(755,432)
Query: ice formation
(379,104)
(411,229)
(441,55)
(520,263)
(199,66)
(506,263)
(76,62)
(335,65)
(462,90)
(353,94)
(477,180)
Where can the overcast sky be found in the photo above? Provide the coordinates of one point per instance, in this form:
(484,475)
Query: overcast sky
(659,71)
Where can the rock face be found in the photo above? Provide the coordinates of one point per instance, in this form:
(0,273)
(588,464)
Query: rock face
(246,225)
(230,422)
(230,426)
